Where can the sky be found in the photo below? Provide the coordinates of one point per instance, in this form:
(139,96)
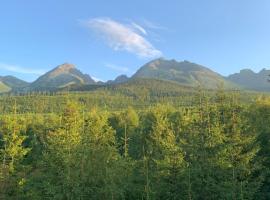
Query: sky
(106,38)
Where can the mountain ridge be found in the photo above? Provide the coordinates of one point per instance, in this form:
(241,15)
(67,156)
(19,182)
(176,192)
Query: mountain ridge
(251,80)
(9,83)
(181,72)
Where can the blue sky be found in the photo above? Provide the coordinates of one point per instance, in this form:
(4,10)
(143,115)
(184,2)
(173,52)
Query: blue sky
(106,38)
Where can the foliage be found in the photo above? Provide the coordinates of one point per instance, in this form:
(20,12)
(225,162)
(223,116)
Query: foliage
(68,146)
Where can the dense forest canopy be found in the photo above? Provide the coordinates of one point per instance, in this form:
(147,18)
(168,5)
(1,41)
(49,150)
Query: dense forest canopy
(138,93)
(135,144)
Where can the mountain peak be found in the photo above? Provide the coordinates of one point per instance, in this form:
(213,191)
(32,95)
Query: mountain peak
(183,72)
(119,79)
(66,67)
(122,78)
(62,76)
(264,71)
(247,71)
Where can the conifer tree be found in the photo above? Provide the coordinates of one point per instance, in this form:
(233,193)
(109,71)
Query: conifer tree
(58,157)
(125,124)
(259,117)
(162,157)
(12,151)
(239,151)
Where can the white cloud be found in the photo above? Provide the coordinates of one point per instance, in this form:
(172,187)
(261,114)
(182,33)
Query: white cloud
(116,67)
(122,37)
(138,27)
(21,70)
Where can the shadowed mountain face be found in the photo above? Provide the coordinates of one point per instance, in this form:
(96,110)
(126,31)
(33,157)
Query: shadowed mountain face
(248,79)
(185,73)
(62,76)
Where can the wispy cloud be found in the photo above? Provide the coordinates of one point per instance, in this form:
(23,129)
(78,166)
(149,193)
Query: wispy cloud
(139,28)
(116,67)
(123,37)
(21,70)
(152,25)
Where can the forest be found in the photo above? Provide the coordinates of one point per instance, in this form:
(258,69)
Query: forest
(125,144)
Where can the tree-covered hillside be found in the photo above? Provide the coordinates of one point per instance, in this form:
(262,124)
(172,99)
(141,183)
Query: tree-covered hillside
(138,93)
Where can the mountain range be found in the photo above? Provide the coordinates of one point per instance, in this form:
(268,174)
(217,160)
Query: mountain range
(247,79)
(183,73)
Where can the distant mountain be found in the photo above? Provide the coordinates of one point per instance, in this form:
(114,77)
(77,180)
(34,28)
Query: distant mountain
(119,79)
(11,83)
(157,72)
(62,76)
(185,73)
(248,79)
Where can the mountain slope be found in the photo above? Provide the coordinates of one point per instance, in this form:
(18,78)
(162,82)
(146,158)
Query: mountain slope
(4,88)
(139,86)
(185,73)
(11,83)
(251,80)
(61,76)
